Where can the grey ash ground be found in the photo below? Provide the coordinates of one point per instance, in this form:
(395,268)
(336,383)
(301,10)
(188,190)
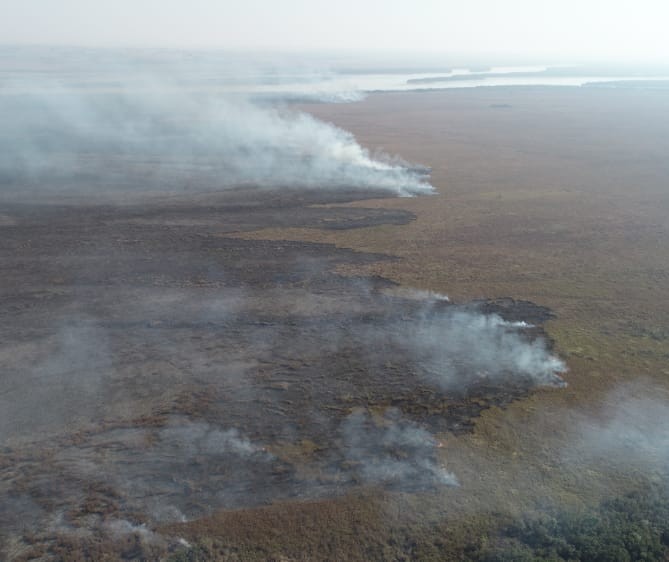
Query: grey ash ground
(155,369)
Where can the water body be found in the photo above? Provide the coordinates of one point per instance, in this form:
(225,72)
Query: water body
(283,77)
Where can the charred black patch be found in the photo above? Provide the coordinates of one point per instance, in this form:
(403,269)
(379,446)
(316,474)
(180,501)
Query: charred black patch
(179,370)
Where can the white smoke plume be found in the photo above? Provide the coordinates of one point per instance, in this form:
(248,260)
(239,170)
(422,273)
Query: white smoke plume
(121,527)
(459,347)
(199,438)
(160,138)
(417,294)
(395,452)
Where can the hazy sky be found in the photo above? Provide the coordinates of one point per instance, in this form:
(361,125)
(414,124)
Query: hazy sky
(565,28)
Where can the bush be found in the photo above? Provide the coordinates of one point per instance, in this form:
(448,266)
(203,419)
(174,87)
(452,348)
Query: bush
(631,528)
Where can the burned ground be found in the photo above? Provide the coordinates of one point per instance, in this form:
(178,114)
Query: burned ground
(192,358)
(157,369)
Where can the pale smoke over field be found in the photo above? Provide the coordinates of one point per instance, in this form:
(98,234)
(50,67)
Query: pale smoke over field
(56,380)
(160,138)
(630,434)
(232,383)
(195,438)
(481,345)
(393,452)
(459,347)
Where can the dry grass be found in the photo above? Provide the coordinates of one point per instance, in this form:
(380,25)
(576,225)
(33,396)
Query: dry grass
(560,199)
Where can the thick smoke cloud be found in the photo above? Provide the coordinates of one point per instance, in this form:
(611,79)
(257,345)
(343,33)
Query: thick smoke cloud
(160,138)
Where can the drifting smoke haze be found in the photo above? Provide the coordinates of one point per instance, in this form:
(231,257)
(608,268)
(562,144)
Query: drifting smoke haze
(445,344)
(157,133)
(628,435)
(192,439)
(299,357)
(393,451)
(51,383)
(457,347)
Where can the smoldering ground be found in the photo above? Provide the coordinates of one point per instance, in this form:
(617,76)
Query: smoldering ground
(179,371)
(393,452)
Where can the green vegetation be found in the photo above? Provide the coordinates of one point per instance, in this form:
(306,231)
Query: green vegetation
(632,527)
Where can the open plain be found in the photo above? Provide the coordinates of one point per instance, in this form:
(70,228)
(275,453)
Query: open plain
(258,374)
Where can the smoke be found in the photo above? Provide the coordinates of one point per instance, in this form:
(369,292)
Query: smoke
(488,346)
(56,379)
(121,527)
(222,373)
(392,452)
(418,294)
(161,138)
(183,467)
(628,434)
(456,347)
(194,438)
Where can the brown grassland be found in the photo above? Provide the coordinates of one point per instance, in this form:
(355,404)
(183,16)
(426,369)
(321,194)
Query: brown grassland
(555,195)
